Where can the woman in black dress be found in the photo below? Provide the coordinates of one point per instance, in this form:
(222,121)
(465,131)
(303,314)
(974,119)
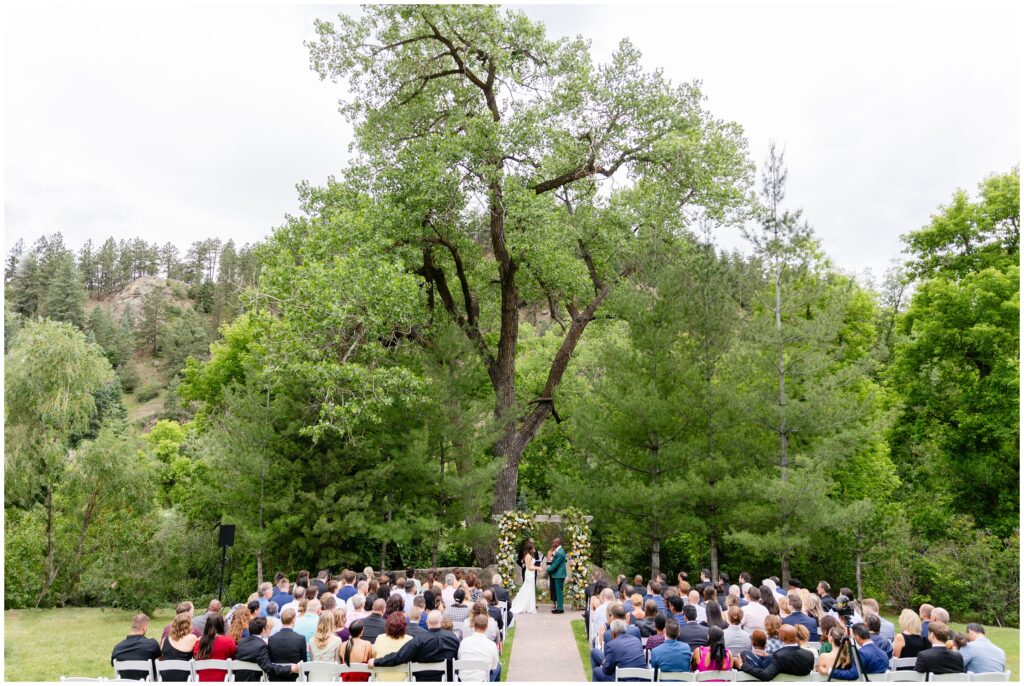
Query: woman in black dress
(179,644)
(908,642)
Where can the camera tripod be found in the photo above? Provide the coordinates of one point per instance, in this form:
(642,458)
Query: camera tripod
(848,645)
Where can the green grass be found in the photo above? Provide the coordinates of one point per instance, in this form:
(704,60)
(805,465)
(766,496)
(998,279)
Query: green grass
(85,637)
(1007,639)
(506,652)
(579,631)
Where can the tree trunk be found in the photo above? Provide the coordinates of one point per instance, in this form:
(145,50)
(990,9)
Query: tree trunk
(713,540)
(51,571)
(860,584)
(655,551)
(785,570)
(783,438)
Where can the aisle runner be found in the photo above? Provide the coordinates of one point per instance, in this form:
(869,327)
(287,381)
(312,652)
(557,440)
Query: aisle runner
(544,648)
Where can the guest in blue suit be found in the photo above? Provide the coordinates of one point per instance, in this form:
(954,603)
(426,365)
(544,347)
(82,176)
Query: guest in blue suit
(871,656)
(624,650)
(673,655)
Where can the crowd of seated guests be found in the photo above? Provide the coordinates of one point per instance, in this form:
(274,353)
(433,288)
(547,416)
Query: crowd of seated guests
(767,630)
(353,619)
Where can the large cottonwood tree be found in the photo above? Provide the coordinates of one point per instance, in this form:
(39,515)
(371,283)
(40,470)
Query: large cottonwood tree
(489,142)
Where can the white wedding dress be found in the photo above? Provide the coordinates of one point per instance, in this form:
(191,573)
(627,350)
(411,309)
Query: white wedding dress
(526,599)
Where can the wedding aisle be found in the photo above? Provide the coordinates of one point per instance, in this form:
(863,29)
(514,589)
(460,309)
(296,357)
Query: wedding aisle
(544,648)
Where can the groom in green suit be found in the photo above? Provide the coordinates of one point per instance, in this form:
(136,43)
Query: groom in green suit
(556,573)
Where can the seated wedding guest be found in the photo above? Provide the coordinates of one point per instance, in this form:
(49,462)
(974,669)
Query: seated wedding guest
(672,655)
(298,595)
(436,645)
(887,630)
(693,633)
(323,644)
(658,637)
(374,623)
(623,650)
(736,639)
(599,615)
(480,608)
(182,607)
(286,646)
(341,623)
(396,603)
(458,611)
(372,593)
(772,627)
(448,593)
(768,600)
(872,658)
(179,644)
(363,589)
(980,654)
(492,608)
(391,641)
(754,612)
(477,646)
(645,623)
(797,616)
(655,595)
(239,624)
(824,626)
(356,651)
(634,607)
(827,601)
(756,656)
(136,646)
(675,608)
(358,610)
(874,625)
(812,608)
(253,648)
(306,626)
(214,608)
(214,645)
(939,659)
(714,615)
(414,627)
(908,642)
(283,593)
(714,657)
(408,594)
(925,613)
(802,637)
(826,658)
(789,659)
(264,593)
(273,618)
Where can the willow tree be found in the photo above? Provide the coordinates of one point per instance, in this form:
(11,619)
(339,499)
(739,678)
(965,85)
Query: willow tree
(490,142)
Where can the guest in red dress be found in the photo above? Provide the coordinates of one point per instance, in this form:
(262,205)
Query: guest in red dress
(214,645)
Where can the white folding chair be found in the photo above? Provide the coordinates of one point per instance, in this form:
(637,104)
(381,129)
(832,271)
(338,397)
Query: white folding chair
(645,673)
(416,667)
(673,676)
(357,668)
(876,677)
(243,666)
(905,675)
(133,666)
(714,675)
(123,681)
(814,645)
(740,675)
(321,671)
(471,666)
(813,676)
(81,678)
(962,676)
(902,663)
(397,669)
(209,664)
(990,676)
(174,666)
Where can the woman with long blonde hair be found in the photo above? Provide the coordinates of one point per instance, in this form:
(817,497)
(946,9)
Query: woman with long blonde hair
(323,646)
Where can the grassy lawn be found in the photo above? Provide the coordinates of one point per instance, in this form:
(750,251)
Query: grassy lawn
(506,652)
(579,631)
(85,636)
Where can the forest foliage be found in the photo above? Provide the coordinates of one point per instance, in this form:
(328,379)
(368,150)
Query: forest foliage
(473,317)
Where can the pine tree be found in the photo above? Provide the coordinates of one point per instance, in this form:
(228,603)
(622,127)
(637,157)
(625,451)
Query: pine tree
(106,267)
(87,266)
(11,265)
(154,316)
(169,260)
(65,294)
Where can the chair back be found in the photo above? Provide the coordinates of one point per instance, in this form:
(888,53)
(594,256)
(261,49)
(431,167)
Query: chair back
(948,677)
(673,676)
(877,677)
(357,668)
(990,676)
(209,664)
(645,673)
(902,663)
(738,675)
(442,667)
(471,666)
(80,678)
(813,676)
(814,645)
(243,666)
(397,669)
(714,675)
(320,671)
(174,666)
(904,676)
(133,666)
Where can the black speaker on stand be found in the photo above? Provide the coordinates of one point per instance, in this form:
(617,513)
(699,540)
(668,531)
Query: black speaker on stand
(227,538)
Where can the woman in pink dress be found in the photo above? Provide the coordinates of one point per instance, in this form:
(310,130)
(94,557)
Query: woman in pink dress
(714,656)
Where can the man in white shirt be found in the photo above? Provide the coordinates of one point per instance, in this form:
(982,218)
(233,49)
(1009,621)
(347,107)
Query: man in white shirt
(362,588)
(298,593)
(481,649)
(357,601)
(408,595)
(694,599)
(600,618)
(410,573)
(754,613)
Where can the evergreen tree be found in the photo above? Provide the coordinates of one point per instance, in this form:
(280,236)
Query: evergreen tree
(11,265)
(65,296)
(106,267)
(185,337)
(153,318)
(87,266)
(169,260)
(28,287)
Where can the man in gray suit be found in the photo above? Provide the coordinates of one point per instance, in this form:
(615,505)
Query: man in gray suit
(981,654)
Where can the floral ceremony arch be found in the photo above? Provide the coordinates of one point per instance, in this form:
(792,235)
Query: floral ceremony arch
(514,526)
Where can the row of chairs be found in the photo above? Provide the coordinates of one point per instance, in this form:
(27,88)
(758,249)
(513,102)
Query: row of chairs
(733,675)
(308,671)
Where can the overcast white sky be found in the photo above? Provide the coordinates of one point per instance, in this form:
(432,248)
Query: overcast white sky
(183,122)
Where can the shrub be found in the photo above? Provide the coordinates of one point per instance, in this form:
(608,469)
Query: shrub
(148,392)
(129,377)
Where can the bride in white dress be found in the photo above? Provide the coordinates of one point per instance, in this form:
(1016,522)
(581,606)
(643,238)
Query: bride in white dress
(526,598)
